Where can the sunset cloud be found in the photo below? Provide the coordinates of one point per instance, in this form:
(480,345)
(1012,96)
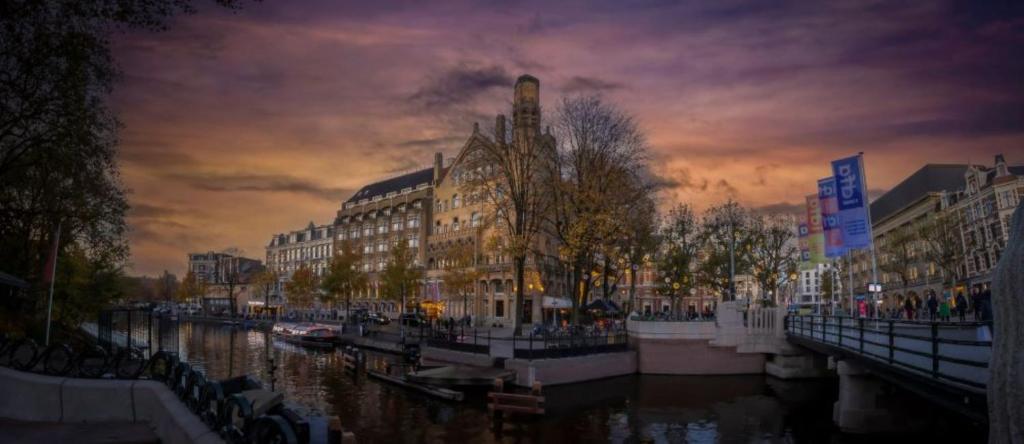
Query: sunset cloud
(243,124)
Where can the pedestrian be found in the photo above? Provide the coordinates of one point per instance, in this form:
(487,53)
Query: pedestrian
(961,306)
(908,306)
(986,305)
(944,310)
(976,302)
(933,305)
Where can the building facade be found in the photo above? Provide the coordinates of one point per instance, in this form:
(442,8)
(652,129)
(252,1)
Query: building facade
(464,220)
(310,247)
(226,278)
(376,218)
(984,205)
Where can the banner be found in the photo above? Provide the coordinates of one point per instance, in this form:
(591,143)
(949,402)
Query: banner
(805,252)
(852,202)
(830,217)
(815,235)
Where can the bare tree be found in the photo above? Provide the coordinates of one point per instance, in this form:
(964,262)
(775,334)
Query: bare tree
(507,174)
(772,252)
(943,245)
(596,180)
(897,253)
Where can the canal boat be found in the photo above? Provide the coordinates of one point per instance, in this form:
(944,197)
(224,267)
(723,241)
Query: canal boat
(309,335)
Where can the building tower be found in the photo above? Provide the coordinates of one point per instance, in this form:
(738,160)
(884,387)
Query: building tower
(526,108)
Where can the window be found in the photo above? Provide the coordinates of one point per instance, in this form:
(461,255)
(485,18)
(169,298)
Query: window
(382,228)
(455,224)
(396,225)
(367,230)
(475,219)
(367,248)
(414,240)
(499,309)
(455,201)
(353,233)
(413,221)
(382,246)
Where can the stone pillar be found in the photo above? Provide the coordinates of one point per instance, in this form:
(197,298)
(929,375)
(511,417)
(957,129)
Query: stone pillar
(796,364)
(1005,394)
(858,409)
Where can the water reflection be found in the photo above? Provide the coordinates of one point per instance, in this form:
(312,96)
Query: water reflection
(649,408)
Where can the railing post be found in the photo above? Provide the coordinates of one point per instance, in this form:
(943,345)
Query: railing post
(935,350)
(891,342)
(839,332)
(860,328)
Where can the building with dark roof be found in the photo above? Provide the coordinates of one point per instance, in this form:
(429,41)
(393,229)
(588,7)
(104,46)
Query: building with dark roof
(931,178)
(380,215)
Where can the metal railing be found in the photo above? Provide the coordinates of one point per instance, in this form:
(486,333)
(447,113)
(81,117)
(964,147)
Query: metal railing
(460,340)
(546,346)
(950,352)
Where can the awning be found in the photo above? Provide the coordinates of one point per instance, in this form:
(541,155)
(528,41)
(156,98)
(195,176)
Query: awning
(553,302)
(11,281)
(603,305)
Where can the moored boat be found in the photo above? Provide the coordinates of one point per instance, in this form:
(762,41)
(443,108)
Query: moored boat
(308,335)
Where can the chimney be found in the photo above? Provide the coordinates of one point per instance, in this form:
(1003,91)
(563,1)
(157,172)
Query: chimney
(438,165)
(499,129)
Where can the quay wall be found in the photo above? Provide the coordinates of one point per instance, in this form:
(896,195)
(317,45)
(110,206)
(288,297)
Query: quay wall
(686,348)
(32,397)
(572,369)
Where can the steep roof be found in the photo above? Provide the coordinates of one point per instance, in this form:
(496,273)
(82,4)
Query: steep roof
(929,179)
(394,184)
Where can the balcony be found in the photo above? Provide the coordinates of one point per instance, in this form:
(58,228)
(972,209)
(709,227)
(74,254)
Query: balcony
(451,235)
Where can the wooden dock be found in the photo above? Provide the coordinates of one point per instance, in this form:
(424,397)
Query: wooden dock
(437,392)
(499,402)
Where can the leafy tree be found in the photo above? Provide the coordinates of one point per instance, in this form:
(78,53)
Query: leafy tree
(401,275)
(772,252)
(58,157)
(461,273)
(344,276)
(191,288)
(681,241)
(302,287)
(84,285)
(726,243)
(264,283)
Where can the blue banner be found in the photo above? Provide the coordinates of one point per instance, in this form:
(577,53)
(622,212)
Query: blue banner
(852,202)
(830,217)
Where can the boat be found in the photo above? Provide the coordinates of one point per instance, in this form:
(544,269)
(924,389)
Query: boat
(308,335)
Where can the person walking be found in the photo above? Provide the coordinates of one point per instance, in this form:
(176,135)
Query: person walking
(944,309)
(961,306)
(976,302)
(933,305)
(908,306)
(986,305)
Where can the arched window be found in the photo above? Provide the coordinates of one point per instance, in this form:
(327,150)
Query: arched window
(475,219)
(455,201)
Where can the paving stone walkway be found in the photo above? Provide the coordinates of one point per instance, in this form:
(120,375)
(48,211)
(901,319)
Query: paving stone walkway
(12,432)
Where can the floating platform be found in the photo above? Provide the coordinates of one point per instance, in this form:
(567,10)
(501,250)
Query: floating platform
(461,376)
(438,392)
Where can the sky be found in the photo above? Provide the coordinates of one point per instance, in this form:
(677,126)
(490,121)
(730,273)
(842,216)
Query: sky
(240,124)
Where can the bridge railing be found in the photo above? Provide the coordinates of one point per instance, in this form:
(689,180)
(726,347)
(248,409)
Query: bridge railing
(957,353)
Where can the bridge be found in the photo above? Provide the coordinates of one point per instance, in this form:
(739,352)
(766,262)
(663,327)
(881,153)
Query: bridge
(945,363)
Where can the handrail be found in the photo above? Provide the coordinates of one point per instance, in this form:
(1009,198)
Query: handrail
(934,355)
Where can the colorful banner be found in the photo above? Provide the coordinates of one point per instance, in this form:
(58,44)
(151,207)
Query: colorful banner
(854,223)
(815,234)
(830,217)
(805,252)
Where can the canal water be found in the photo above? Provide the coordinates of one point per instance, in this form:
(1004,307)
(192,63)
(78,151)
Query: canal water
(641,408)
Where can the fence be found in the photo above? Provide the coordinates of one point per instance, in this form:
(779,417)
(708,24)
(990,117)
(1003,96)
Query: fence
(459,340)
(943,351)
(568,345)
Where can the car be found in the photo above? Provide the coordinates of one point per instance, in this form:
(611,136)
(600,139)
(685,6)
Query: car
(412,319)
(378,318)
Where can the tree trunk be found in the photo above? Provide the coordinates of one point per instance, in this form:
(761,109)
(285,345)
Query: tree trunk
(577,293)
(517,317)
(632,289)
(1005,397)
(604,279)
